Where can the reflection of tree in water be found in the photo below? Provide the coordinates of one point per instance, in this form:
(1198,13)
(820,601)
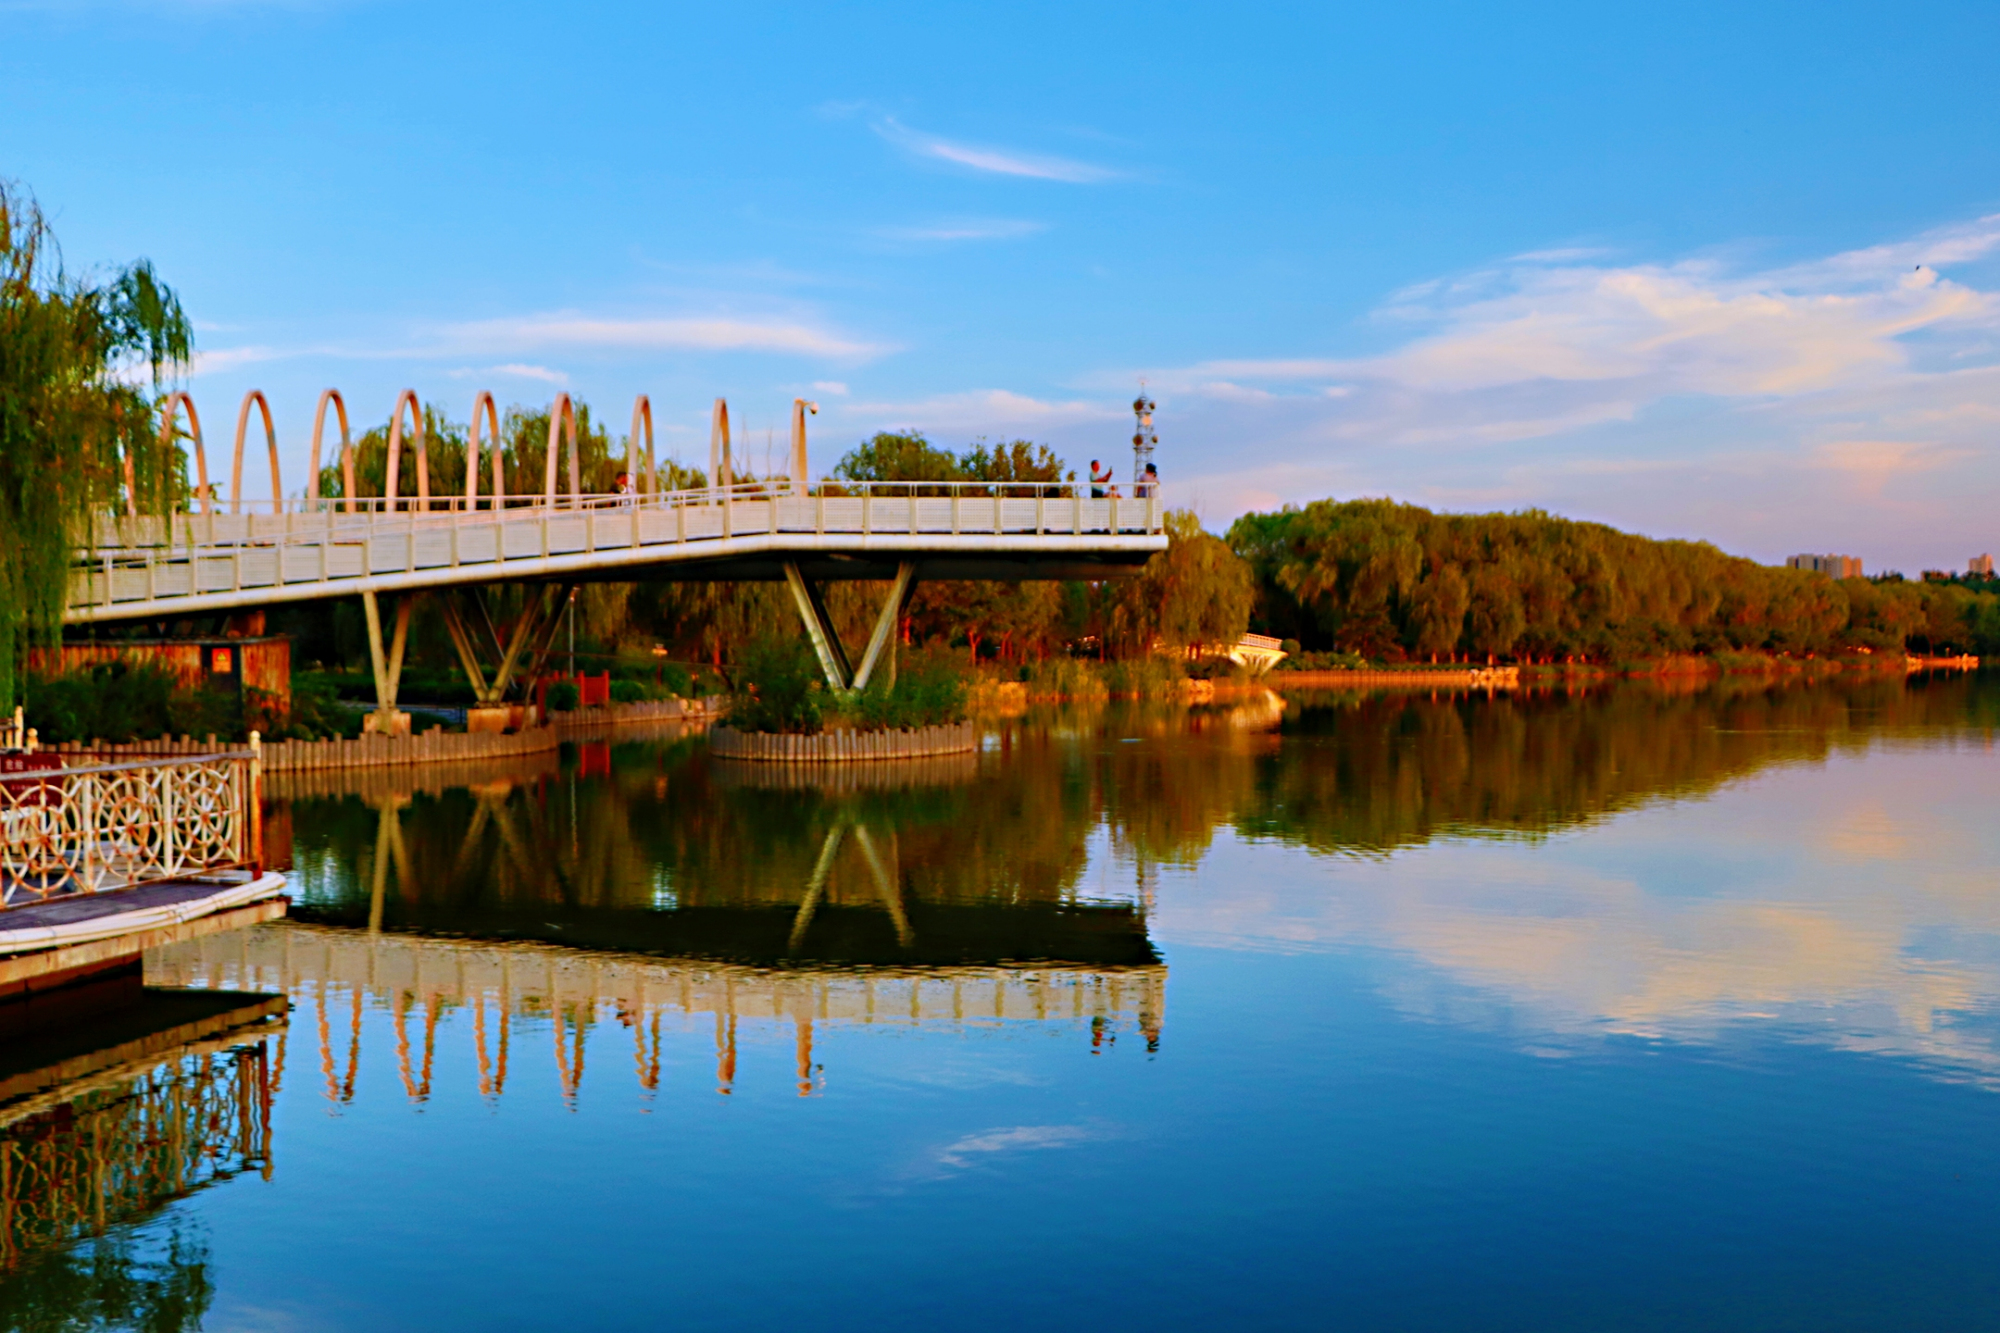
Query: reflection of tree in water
(1355,773)
(1374,773)
(673,852)
(667,829)
(122,1280)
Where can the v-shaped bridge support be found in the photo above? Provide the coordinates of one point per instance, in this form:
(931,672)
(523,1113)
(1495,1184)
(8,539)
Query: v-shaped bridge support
(833,659)
(526,647)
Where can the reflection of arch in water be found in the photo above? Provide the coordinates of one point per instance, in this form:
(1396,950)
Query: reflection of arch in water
(574,990)
(99,1139)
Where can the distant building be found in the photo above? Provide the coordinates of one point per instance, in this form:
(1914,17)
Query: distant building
(1838,566)
(1982,565)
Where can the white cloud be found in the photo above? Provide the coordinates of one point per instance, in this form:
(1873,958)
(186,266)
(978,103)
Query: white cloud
(965,229)
(684,333)
(998,161)
(222,360)
(989,411)
(1853,398)
(834,387)
(1020,1138)
(514,370)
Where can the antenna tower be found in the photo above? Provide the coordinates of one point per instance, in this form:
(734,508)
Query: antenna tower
(1144,439)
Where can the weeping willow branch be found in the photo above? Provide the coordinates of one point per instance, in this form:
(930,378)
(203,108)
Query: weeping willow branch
(69,423)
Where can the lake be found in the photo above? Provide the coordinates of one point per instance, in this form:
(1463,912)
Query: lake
(1648,1006)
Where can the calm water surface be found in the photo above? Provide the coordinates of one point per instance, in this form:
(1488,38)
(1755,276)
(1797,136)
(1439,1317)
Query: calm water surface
(1634,1009)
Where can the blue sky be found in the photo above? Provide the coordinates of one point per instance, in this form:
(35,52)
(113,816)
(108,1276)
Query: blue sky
(1717,271)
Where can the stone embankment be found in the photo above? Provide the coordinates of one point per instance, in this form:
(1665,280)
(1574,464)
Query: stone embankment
(840,747)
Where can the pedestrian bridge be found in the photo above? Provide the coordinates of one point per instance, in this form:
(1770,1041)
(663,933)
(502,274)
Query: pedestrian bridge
(265,554)
(298,551)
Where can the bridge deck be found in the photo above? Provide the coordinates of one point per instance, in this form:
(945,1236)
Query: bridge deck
(197,563)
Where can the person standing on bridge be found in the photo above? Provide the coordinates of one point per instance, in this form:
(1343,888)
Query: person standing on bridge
(627,496)
(1148,484)
(1100,476)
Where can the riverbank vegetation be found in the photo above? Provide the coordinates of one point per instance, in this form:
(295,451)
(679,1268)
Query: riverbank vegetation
(1394,582)
(782,691)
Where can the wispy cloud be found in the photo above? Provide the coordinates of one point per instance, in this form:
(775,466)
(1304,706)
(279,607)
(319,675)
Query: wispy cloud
(512,370)
(834,387)
(712,334)
(997,161)
(1758,406)
(222,360)
(973,1148)
(965,229)
(985,411)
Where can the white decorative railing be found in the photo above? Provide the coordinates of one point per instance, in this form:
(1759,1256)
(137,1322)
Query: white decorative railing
(321,541)
(66,831)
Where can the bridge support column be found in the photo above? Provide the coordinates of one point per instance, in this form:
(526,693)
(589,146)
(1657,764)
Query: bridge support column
(826,640)
(882,643)
(527,643)
(819,628)
(388,668)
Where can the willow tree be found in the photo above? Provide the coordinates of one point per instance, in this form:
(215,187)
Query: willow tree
(72,428)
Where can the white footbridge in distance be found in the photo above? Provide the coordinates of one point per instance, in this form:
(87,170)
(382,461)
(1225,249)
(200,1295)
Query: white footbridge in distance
(210,563)
(263,554)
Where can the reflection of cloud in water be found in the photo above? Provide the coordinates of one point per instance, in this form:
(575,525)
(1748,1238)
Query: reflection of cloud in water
(1855,905)
(974,1148)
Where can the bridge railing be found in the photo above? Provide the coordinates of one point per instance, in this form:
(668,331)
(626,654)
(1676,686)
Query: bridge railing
(96,827)
(238,558)
(1058,506)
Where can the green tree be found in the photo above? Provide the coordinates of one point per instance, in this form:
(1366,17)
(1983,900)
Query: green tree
(69,425)
(1194,594)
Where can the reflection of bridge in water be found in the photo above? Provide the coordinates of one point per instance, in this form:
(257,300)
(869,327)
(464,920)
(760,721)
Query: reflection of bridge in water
(420,980)
(133,1099)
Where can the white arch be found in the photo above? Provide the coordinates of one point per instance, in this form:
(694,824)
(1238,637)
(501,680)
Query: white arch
(346,448)
(270,440)
(484,400)
(390,485)
(563,415)
(168,411)
(799,409)
(642,409)
(718,446)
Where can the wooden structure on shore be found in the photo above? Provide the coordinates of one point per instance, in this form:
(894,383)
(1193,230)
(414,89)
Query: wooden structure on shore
(109,1113)
(101,856)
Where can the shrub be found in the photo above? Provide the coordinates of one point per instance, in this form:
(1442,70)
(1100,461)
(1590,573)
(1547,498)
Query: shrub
(562,697)
(126,701)
(674,679)
(929,692)
(779,688)
(1146,677)
(627,692)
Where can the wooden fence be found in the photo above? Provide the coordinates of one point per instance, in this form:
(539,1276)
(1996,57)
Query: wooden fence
(435,746)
